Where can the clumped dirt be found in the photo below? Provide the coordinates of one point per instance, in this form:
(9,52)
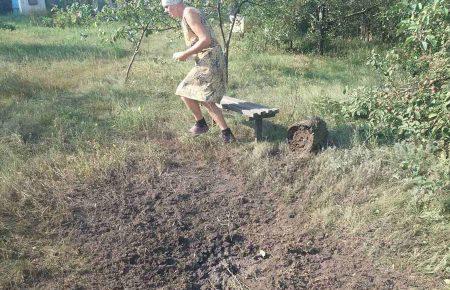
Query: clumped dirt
(196,227)
(308,136)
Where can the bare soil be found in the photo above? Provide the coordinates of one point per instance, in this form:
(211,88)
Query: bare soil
(196,227)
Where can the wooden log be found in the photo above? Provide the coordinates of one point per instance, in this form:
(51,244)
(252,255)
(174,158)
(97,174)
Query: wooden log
(308,136)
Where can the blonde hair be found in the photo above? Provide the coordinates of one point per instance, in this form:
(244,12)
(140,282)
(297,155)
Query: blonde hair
(170,2)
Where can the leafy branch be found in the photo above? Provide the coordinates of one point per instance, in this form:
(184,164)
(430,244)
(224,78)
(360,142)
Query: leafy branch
(139,19)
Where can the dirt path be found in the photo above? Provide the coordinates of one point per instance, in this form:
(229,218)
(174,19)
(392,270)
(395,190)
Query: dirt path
(194,227)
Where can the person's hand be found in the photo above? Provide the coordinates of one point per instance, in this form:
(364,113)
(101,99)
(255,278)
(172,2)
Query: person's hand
(180,56)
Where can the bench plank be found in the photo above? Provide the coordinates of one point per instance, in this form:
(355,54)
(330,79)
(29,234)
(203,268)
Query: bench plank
(255,112)
(248,109)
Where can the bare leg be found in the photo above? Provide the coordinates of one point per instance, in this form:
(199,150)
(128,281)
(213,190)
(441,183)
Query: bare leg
(194,106)
(216,113)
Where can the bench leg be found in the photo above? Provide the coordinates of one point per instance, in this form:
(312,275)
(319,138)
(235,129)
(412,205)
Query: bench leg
(258,129)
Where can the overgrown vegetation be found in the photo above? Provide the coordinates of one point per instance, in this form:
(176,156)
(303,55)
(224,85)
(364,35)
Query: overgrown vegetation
(414,100)
(6,26)
(67,123)
(73,15)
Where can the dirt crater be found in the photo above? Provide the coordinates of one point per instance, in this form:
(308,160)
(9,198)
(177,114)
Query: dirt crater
(196,227)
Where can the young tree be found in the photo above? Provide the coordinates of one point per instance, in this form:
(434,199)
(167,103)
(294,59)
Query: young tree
(221,10)
(138,18)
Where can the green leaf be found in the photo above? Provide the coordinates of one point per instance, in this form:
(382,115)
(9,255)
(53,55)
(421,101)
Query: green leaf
(424,45)
(447,105)
(432,40)
(409,40)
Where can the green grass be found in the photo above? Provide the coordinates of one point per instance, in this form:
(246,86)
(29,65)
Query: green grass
(67,119)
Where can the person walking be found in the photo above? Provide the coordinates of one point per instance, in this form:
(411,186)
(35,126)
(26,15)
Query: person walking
(206,83)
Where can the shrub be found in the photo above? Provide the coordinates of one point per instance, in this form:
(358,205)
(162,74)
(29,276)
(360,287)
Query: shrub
(414,103)
(7,26)
(73,15)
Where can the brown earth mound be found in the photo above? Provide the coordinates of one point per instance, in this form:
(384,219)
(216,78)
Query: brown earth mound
(196,227)
(308,136)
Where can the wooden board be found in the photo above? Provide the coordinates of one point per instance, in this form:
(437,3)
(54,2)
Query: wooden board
(248,109)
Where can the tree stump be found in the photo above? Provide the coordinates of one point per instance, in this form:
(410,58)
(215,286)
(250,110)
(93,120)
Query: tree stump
(308,136)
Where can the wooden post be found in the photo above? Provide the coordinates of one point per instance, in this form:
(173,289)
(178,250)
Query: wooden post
(258,129)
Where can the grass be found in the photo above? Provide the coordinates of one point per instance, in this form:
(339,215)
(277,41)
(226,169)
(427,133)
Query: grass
(367,192)
(67,119)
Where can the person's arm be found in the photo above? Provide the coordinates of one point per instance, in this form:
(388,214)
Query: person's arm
(204,40)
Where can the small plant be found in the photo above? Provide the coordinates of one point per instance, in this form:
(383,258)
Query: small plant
(73,15)
(7,26)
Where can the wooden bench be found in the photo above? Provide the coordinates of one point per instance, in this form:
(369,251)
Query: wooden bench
(254,112)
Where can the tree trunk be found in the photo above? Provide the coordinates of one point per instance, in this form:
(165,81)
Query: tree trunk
(136,51)
(100,4)
(321,18)
(227,40)
(365,33)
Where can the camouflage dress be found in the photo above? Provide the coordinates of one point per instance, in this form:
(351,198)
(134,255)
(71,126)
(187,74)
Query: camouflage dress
(206,82)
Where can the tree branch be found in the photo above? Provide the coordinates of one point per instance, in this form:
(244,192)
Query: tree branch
(219,13)
(236,12)
(165,29)
(362,12)
(136,50)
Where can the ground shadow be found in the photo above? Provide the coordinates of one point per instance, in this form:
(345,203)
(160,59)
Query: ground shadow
(345,136)
(42,113)
(290,72)
(68,116)
(306,73)
(19,52)
(271,131)
(324,76)
(341,136)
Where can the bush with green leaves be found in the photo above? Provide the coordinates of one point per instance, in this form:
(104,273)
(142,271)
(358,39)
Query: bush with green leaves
(273,25)
(135,18)
(414,103)
(308,25)
(75,14)
(6,26)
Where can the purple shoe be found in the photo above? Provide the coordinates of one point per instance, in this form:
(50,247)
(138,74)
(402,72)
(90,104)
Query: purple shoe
(227,136)
(198,129)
